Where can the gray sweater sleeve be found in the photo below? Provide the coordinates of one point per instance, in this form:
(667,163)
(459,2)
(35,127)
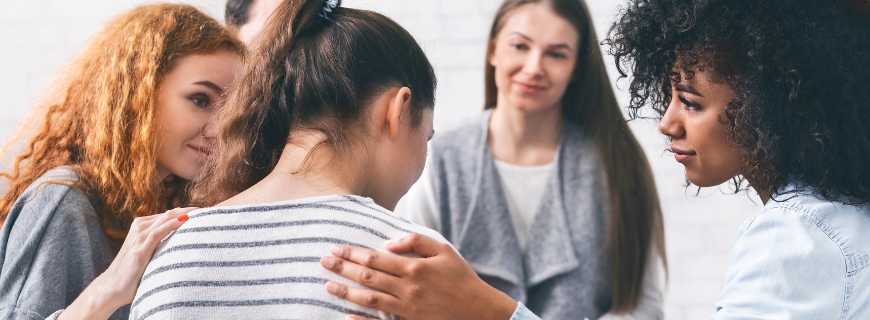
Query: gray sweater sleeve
(51,248)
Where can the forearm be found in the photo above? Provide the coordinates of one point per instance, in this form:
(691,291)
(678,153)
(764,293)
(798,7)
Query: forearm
(500,306)
(95,302)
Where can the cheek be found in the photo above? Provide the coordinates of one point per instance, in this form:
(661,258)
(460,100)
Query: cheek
(560,70)
(415,157)
(560,76)
(506,64)
(177,125)
(184,121)
(419,151)
(719,157)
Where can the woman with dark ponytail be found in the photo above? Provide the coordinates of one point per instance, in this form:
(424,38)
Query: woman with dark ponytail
(326,130)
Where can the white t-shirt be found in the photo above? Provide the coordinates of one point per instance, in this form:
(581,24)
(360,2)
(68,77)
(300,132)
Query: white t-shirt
(420,205)
(523,188)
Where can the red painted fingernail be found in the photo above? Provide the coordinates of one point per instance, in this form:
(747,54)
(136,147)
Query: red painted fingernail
(182,217)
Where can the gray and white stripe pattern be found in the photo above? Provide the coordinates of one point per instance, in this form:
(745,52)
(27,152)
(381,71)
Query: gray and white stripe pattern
(262,261)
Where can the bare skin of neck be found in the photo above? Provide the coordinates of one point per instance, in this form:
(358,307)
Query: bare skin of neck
(321,175)
(765,197)
(525,138)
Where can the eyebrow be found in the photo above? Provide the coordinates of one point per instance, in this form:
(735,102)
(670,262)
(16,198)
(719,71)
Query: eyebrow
(211,85)
(552,46)
(687,89)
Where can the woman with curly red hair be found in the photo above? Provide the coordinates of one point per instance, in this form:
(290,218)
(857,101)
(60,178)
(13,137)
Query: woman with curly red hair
(116,139)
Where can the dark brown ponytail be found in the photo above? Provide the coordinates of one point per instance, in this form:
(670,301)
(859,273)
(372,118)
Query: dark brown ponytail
(310,72)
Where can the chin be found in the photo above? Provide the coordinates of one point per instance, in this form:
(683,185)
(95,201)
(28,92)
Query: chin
(705,181)
(191,174)
(529,105)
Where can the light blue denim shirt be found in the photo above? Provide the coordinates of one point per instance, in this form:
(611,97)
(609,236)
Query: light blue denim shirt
(801,257)
(523,313)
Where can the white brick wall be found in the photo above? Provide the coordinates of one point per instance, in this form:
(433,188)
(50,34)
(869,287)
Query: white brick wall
(39,36)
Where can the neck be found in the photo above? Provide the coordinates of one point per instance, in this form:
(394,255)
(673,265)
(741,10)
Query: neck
(525,138)
(765,196)
(296,177)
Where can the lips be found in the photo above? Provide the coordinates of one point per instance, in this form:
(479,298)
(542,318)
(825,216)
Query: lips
(529,88)
(683,155)
(203,152)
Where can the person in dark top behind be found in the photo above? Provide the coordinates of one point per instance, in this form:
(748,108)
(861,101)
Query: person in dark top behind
(247,17)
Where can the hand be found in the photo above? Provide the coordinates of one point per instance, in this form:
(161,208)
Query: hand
(117,286)
(438,286)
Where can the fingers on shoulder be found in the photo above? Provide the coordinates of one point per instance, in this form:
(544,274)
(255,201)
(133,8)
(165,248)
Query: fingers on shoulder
(367,298)
(177,212)
(424,246)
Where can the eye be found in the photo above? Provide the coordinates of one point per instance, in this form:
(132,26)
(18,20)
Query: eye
(559,55)
(689,104)
(200,101)
(519,46)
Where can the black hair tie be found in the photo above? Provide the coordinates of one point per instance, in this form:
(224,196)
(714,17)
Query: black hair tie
(327,8)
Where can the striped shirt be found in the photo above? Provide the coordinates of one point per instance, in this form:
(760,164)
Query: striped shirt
(263,261)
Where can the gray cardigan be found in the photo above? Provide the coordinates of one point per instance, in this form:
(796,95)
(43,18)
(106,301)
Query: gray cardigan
(565,273)
(51,248)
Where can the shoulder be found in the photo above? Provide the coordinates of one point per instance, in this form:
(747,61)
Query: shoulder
(841,226)
(55,184)
(577,144)
(798,227)
(400,226)
(462,136)
(56,197)
(50,239)
(794,258)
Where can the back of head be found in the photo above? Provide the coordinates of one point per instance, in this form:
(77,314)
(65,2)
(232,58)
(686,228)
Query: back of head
(99,116)
(311,70)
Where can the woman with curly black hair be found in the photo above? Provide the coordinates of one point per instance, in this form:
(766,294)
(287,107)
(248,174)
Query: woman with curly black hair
(770,93)
(776,95)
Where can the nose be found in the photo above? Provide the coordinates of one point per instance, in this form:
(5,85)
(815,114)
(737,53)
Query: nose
(533,64)
(210,130)
(671,123)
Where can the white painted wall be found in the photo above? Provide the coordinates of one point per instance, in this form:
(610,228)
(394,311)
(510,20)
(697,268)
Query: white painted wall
(38,36)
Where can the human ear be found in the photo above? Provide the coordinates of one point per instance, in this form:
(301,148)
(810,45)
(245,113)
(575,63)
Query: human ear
(491,58)
(400,106)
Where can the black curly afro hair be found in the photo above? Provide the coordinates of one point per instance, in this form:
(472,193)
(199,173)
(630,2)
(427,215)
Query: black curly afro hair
(799,72)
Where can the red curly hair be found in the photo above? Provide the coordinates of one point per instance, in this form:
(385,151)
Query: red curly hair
(99,116)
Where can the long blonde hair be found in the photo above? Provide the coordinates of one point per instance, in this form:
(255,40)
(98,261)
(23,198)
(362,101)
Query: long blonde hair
(99,116)
(635,214)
